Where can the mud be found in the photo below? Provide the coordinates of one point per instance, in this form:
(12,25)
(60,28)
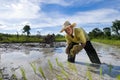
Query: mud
(15,56)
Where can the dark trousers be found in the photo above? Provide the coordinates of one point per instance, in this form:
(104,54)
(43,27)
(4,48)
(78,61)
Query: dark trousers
(92,54)
(71,58)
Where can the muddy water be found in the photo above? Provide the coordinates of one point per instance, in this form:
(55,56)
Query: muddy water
(15,56)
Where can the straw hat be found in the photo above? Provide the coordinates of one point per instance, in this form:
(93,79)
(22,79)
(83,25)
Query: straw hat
(66,25)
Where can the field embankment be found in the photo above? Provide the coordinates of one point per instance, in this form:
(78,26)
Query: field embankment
(106,41)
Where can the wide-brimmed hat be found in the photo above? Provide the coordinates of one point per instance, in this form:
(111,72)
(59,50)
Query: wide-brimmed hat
(66,25)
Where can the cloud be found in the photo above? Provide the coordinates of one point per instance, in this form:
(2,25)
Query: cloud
(15,14)
(58,2)
(84,2)
(95,16)
(70,2)
(23,9)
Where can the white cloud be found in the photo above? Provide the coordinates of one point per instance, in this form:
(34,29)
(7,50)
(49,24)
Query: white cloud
(14,15)
(23,9)
(83,2)
(70,2)
(58,2)
(96,16)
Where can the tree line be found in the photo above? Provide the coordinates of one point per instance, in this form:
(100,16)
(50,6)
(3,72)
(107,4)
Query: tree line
(112,32)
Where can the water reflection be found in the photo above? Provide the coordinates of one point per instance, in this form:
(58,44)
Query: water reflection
(107,69)
(27,54)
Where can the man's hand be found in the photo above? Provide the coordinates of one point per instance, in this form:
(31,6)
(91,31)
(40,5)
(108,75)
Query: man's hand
(69,47)
(76,49)
(83,44)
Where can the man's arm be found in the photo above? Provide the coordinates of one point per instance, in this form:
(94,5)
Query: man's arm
(70,46)
(81,36)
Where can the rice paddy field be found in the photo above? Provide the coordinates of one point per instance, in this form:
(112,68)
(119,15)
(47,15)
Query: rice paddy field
(30,61)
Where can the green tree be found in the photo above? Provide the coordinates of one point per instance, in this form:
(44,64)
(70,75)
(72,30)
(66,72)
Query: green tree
(59,35)
(96,32)
(116,27)
(26,29)
(107,31)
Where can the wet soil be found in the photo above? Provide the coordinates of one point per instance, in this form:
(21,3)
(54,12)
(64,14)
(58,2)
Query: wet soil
(53,61)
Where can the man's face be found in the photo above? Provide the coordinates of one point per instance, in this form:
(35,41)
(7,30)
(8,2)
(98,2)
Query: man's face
(69,30)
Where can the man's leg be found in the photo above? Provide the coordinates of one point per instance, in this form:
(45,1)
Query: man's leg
(71,58)
(92,54)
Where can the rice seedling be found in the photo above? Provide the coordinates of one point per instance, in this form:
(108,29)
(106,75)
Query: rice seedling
(118,77)
(100,72)
(23,73)
(50,65)
(89,75)
(64,73)
(72,67)
(110,68)
(41,72)
(59,77)
(33,67)
(13,77)
(57,61)
(59,64)
(0,75)
(1,79)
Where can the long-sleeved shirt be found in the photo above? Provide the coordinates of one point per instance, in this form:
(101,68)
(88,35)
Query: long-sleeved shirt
(80,36)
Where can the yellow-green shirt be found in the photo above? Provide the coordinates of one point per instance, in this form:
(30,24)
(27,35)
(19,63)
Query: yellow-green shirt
(80,36)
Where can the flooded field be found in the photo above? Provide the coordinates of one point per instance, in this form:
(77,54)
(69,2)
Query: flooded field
(30,61)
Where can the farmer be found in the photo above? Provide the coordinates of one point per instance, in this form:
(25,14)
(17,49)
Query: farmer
(77,39)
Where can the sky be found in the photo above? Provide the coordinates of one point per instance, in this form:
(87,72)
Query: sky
(48,16)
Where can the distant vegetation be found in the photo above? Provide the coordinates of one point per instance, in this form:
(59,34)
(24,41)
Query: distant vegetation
(112,32)
(8,38)
(108,33)
(16,38)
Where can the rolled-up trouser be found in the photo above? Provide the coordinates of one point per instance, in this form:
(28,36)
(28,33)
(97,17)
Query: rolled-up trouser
(92,54)
(71,58)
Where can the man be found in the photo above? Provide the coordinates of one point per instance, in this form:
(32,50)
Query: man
(77,39)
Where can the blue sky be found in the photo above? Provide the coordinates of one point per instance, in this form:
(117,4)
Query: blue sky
(48,16)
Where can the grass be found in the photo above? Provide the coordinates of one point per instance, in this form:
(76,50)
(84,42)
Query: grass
(60,39)
(106,41)
(21,39)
